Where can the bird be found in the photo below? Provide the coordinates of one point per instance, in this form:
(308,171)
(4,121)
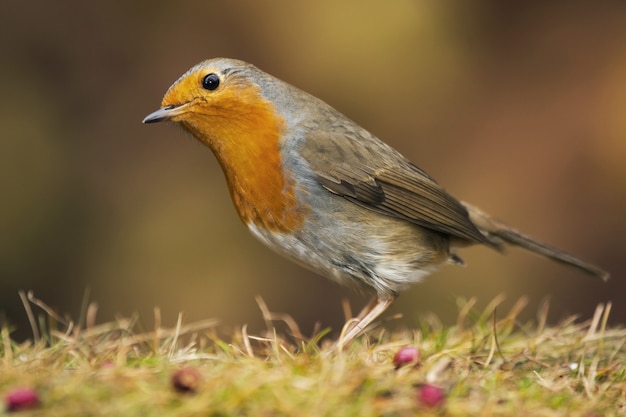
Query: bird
(321,190)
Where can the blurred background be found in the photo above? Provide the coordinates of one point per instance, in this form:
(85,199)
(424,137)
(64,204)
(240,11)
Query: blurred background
(517,107)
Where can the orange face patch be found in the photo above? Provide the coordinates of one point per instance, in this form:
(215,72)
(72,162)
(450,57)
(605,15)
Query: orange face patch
(243,130)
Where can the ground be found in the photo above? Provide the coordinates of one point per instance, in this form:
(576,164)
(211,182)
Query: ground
(488,364)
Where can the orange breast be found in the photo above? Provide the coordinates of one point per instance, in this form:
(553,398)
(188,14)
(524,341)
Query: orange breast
(244,132)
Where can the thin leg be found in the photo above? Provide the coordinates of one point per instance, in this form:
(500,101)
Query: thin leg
(372,310)
(368,307)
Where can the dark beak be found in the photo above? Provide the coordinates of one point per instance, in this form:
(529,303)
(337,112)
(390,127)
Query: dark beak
(164,113)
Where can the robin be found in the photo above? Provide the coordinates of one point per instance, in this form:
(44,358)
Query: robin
(319,189)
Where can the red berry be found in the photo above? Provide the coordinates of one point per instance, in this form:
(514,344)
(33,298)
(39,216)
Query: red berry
(21,399)
(186,380)
(405,356)
(431,395)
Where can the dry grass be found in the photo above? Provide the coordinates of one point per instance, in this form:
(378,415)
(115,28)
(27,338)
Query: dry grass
(487,364)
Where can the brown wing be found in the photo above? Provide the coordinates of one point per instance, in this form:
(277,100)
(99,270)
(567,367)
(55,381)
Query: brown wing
(364,170)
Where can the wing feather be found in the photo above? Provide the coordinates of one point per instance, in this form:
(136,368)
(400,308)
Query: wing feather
(364,170)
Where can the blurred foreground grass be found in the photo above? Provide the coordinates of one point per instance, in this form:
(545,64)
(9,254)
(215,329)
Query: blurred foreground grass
(488,364)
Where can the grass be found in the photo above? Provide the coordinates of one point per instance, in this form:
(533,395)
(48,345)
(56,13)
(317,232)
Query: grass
(487,364)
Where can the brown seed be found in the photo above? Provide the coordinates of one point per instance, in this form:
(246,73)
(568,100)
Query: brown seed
(186,380)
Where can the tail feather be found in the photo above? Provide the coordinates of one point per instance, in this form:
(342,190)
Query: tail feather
(499,231)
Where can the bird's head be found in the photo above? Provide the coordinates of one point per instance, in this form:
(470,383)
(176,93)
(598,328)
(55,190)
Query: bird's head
(218,100)
(224,104)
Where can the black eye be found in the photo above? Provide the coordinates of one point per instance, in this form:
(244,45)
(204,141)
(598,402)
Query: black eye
(211,81)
